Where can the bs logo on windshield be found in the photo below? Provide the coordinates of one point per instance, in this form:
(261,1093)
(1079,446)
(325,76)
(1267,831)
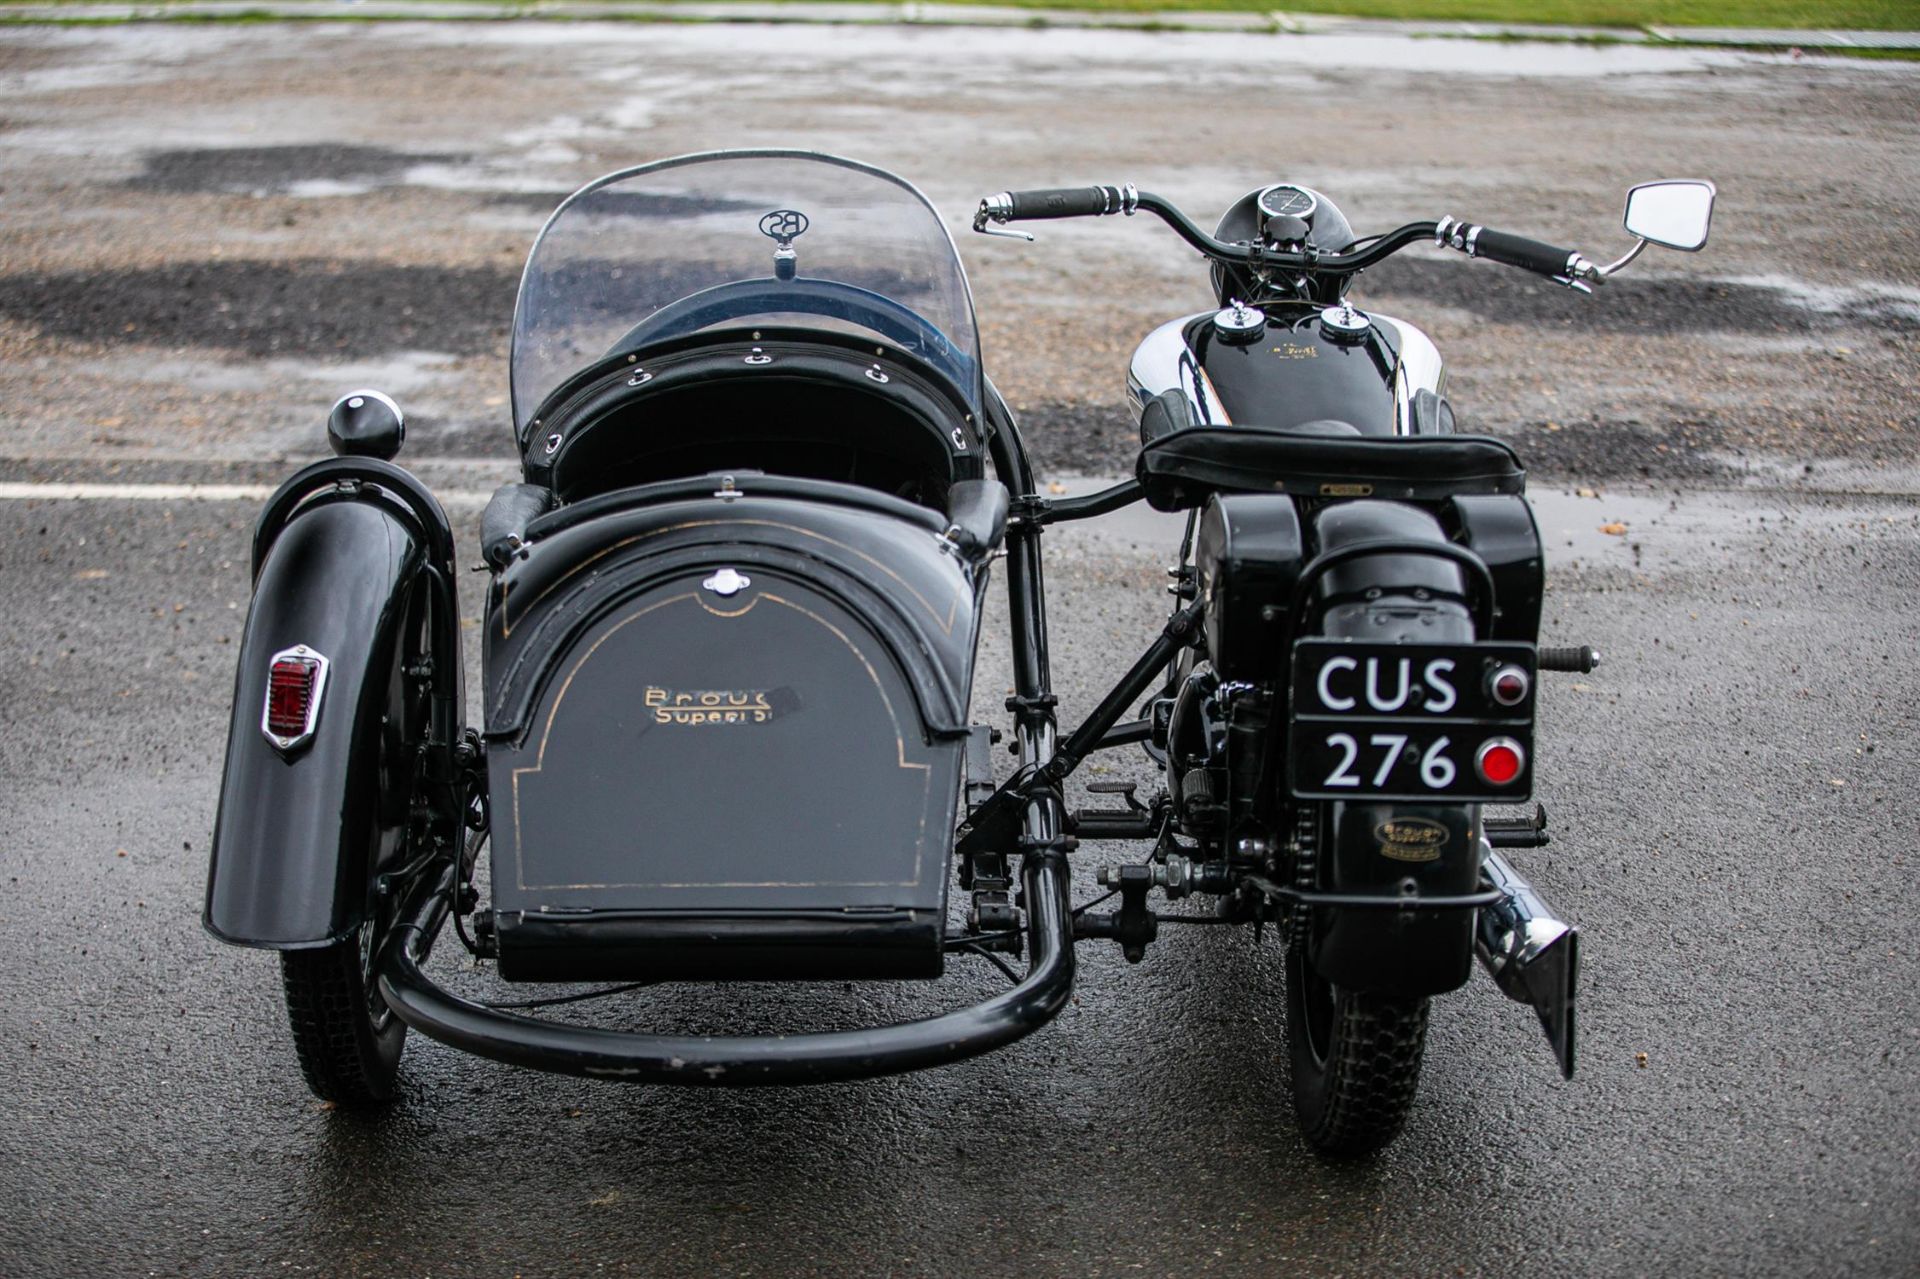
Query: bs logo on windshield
(784,225)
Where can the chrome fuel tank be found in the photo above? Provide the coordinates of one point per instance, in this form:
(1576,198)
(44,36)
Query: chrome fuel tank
(1292,372)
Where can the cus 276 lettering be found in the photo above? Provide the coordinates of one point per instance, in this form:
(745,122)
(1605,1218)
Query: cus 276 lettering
(1387,685)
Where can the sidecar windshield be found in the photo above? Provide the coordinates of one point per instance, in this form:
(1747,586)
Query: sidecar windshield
(733,238)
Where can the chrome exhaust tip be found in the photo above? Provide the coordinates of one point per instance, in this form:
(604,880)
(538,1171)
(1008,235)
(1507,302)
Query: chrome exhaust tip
(1532,955)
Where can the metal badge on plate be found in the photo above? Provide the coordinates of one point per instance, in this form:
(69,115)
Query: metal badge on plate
(727,582)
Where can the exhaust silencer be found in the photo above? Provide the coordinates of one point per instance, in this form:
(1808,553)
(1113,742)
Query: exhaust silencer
(1532,955)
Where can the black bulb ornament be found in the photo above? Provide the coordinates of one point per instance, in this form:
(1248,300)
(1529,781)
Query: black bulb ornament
(366,424)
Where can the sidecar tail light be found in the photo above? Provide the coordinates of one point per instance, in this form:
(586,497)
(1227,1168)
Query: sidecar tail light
(296,680)
(1500,761)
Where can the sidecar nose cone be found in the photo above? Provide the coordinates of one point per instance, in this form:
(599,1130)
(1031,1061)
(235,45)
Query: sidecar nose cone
(366,423)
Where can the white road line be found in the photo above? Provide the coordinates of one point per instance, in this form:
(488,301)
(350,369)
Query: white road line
(18,492)
(136,492)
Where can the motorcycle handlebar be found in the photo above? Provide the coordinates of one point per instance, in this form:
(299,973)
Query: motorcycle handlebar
(1511,250)
(1564,265)
(1098,201)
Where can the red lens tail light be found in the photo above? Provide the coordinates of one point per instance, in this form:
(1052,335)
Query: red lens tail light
(1509,685)
(295,682)
(1500,761)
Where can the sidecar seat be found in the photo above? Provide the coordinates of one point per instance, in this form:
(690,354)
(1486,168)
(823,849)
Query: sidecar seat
(822,406)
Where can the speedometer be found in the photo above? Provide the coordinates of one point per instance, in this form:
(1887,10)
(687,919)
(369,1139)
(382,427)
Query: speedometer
(1286,201)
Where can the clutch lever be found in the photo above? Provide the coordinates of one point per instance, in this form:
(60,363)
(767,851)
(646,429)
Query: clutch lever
(992,215)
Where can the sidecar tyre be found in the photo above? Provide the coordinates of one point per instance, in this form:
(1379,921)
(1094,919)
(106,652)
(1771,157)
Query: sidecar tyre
(1356,1060)
(348,1040)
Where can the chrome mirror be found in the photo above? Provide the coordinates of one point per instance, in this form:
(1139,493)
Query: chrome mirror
(1673,212)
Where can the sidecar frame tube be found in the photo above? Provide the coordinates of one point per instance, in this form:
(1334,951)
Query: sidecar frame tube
(740,1060)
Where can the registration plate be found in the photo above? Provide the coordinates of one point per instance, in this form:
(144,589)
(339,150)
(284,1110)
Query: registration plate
(1410,722)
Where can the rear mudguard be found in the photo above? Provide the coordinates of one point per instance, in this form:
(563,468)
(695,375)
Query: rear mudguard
(1378,847)
(339,554)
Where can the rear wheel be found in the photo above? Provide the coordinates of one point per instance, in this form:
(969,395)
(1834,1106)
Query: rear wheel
(1356,1053)
(1356,1060)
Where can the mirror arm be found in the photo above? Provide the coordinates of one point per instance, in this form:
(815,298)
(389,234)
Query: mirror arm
(1632,253)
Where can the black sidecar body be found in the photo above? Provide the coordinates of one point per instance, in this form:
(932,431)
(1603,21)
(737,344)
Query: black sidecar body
(727,648)
(726,729)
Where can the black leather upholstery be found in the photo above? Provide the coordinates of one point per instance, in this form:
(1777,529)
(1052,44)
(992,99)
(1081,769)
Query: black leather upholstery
(1322,459)
(743,482)
(1164,414)
(977,516)
(503,527)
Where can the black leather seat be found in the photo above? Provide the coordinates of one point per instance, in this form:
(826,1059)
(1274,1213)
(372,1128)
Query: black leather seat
(1181,468)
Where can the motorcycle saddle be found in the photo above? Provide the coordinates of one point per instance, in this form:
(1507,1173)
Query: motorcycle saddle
(1181,467)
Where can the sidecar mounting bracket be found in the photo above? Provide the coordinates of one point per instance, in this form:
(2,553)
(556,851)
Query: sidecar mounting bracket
(1134,924)
(996,823)
(1024,708)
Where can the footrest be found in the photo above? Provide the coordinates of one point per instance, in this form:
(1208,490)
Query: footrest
(819,945)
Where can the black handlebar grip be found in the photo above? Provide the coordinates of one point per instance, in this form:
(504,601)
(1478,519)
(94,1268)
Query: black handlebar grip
(1077,202)
(1518,250)
(1580,659)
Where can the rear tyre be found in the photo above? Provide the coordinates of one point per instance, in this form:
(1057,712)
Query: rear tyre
(1356,1054)
(347,1039)
(1356,1060)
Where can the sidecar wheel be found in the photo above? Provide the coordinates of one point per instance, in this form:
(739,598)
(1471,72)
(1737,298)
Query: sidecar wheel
(1356,1060)
(347,1039)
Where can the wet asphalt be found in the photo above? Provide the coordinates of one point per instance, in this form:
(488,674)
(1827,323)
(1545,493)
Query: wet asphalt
(1732,793)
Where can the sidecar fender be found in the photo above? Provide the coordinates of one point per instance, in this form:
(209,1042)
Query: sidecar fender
(288,867)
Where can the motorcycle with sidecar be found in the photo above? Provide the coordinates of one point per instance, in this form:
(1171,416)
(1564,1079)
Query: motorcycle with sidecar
(726,723)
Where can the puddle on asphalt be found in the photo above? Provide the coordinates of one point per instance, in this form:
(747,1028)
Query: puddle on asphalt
(293,170)
(1074,58)
(315,308)
(1862,303)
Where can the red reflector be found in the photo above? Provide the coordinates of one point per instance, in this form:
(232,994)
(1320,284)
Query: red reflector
(1500,762)
(290,696)
(1509,686)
